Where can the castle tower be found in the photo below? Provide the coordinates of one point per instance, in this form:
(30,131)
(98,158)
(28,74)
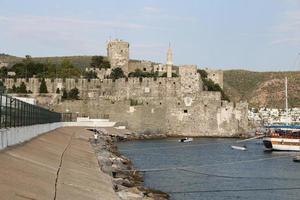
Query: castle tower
(169,62)
(118,54)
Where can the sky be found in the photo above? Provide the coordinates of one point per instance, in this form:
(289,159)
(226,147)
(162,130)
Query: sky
(258,35)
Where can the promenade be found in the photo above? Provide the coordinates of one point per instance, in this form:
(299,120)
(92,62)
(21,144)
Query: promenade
(60,164)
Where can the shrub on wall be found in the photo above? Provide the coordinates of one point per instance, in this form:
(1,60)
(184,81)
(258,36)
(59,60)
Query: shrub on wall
(43,87)
(117,73)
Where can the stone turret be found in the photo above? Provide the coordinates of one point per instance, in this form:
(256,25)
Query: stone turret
(118,54)
(169,62)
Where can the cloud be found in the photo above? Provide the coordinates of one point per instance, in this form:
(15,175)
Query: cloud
(293,41)
(290,23)
(288,30)
(62,34)
(151,9)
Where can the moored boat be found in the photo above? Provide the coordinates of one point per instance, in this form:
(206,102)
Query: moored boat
(186,140)
(296,159)
(243,148)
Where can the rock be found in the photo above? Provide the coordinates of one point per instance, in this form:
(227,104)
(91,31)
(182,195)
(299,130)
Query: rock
(124,195)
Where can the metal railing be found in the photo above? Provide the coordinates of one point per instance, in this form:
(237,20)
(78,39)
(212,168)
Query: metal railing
(15,113)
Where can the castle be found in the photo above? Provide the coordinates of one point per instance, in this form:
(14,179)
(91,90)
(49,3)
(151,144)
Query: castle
(174,105)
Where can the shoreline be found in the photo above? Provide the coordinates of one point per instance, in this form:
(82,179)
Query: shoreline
(128,183)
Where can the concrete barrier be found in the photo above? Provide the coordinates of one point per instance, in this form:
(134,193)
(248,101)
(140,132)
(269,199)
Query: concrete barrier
(17,135)
(90,123)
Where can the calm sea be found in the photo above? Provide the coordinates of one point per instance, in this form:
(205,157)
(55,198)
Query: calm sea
(210,169)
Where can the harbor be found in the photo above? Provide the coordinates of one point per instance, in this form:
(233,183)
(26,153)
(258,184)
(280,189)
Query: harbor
(208,168)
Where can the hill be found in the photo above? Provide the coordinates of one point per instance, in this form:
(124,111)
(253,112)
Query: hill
(262,88)
(78,61)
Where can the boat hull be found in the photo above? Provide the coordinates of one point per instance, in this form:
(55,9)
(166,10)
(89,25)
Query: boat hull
(281,144)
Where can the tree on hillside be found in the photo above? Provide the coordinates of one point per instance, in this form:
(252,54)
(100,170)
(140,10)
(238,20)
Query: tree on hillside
(117,73)
(99,62)
(43,87)
(67,70)
(90,75)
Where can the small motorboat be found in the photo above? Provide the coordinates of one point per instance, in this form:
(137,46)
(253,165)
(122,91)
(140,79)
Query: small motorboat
(296,159)
(242,148)
(186,140)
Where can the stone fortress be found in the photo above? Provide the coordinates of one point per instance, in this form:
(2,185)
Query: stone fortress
(173,105)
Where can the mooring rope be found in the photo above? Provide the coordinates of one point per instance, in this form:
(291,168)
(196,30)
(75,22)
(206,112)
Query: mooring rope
(208,165)
(236,190)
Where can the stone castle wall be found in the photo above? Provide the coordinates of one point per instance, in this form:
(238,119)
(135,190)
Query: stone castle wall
(176,105)
(215,75)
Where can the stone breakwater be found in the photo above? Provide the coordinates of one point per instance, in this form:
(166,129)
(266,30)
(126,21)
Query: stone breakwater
(127,182)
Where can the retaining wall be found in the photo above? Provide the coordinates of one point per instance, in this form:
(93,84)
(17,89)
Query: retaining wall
(12,136)
(17,135)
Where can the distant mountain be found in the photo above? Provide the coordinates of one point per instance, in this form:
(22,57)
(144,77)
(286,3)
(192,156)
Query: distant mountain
(262,88)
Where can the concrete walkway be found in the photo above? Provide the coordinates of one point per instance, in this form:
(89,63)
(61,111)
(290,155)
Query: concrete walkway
(58,165)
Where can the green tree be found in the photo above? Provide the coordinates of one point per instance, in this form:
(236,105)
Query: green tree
(64,94)
(90,75)
(165,75)
(2,87)
(14,88)
(99,62)
(43,87)
(212,86)
(74,94)
(117,73)
(203,73)
(22,89)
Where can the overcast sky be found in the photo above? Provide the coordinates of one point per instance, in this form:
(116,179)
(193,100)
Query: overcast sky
(261,35)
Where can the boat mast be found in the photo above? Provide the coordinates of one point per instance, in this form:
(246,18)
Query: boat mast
(286,98)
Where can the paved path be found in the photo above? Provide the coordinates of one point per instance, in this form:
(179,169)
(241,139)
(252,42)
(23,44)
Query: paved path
(59,165)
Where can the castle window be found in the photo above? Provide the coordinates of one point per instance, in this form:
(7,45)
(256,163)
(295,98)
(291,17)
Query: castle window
(174,83)
(157,69)
(205,105)
(160,83)
(185,111)
(159,103)
(178,103)
(213,74)
(190,86)
(145,69)
(147,103)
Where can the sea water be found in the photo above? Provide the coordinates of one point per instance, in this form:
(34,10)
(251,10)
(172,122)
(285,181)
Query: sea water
(208,168)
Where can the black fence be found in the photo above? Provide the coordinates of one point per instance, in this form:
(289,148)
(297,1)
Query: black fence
(15,113)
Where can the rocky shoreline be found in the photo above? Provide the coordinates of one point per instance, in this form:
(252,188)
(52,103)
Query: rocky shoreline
(127,182)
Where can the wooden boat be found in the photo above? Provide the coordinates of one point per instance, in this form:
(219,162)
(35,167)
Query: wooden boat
(242,148)
(283,138)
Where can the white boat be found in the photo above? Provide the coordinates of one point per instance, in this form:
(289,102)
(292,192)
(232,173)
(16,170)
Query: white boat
(283,138)
(186,140)
(242,148)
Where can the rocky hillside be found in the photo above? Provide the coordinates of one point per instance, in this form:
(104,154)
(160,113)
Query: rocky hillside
(262,88)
